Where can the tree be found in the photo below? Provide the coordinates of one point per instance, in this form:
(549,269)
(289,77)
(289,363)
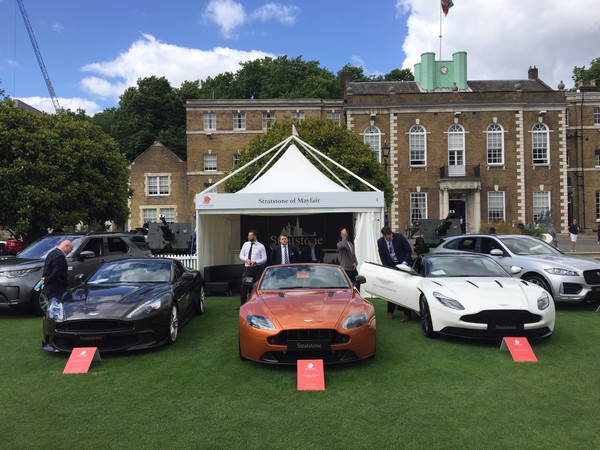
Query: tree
(588,75)
(148,112)
(338,143)
(279,77)
(57,171)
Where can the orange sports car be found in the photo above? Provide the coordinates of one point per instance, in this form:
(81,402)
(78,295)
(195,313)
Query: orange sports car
(306,311)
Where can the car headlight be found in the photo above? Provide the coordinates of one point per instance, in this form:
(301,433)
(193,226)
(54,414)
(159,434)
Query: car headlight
(259,322)
(355,321)
(17,273)
(448,302)
(544,300)
(149,307)
(56,311)
(558,271)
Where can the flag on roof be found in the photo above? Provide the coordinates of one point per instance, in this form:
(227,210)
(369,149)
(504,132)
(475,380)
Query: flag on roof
(446,5)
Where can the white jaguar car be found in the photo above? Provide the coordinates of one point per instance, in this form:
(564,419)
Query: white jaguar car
(466,295)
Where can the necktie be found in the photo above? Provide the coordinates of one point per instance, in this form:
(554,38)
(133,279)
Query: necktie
(250,251)
(286,260)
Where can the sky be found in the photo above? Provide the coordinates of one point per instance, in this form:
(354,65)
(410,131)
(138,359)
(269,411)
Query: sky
(93,51)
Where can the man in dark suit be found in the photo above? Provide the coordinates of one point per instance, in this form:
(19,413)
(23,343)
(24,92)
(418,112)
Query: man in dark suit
(311,252)
(394,249)
(285,252)
(55,277)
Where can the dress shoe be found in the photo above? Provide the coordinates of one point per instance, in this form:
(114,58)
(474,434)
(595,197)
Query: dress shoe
(390,315)
(406,319)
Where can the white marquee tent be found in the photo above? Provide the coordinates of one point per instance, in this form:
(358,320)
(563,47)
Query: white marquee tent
(290,186)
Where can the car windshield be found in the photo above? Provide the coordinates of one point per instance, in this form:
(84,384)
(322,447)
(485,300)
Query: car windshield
(529,246)
(40,248)
(133,271)
(462,266)
(302,276)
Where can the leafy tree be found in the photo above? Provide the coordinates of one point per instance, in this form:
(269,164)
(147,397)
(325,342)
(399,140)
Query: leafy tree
(399,75)
(358,74)
(148,112)
(588,75)
(338,143)
(105,119)
(279,77)
(57,171)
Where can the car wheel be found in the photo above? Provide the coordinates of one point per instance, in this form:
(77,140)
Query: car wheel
(200,308)
(39,303)
(173,324)
(425,318)
(539,280)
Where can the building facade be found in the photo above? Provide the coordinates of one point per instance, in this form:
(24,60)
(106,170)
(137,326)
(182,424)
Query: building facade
(497,150)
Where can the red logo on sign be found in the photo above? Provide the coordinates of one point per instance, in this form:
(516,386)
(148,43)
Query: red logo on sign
(206,200)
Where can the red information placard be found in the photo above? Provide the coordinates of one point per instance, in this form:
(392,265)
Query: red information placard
(81,358)
(519,349)
(310,375)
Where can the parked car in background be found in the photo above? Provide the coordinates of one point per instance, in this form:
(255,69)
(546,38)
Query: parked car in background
(567,278)
(13,246)
(306,311)
(130,304)
(20,274)
(466,295)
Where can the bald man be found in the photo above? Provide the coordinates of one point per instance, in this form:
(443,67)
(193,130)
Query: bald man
(56,271)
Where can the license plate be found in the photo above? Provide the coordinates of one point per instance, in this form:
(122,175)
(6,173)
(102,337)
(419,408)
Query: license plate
(308,346)
(92,339)
(499,327)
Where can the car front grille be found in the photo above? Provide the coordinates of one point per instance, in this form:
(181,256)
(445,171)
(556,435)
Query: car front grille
(86,326)
(592,276)
(502,316)
(308,335)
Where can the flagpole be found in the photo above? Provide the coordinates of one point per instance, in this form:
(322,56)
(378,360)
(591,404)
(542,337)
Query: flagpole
(440,56)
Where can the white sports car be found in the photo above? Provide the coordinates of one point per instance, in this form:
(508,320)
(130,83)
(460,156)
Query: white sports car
(464,294)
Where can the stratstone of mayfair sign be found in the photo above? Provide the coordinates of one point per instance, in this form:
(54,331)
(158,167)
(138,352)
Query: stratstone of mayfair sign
(288,201)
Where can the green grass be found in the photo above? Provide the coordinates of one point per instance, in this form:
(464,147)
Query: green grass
(416,393)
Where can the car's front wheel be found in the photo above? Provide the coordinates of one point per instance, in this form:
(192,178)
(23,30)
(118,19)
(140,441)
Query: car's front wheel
(173,324)
(534,278)
(425,318)
(39,303)
(200,307)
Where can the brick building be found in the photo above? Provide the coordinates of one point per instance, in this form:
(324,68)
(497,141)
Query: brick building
(489,150)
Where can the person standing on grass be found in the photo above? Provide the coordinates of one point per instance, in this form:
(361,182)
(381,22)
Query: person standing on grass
(254,255)
(347,254)
(55,277)
(573,232)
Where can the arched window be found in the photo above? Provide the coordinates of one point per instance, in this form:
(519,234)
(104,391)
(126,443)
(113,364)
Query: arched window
(540,144)
(495,144)
(373,139)
(456,145)
(417,144)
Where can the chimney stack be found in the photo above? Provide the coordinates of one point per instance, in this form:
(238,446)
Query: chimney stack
(532,73)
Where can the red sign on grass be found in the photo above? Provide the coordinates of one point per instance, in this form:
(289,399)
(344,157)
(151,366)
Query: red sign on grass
(519,349)
(310,375)
(81,358)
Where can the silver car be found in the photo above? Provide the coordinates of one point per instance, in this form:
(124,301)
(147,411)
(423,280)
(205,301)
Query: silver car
(567,278)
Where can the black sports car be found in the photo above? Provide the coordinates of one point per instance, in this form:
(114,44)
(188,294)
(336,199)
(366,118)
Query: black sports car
(126,305)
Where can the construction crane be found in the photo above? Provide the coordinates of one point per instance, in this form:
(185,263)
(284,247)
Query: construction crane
(38,55)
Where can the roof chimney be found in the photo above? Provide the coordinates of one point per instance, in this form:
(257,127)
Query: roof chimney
(345,79)
(532,73)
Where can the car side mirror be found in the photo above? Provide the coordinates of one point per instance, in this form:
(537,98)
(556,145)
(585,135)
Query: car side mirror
(360,279)
(79,277)
(86,254)
(515,270)
(497,252)
(248,281)
(187,276)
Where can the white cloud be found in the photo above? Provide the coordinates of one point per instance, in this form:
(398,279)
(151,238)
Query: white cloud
(503,38)
(57,26)
(276,11)
(45,104)
(149,56)
(229,15)
(226,14)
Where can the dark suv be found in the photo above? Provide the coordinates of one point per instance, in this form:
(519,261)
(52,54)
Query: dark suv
(20,274)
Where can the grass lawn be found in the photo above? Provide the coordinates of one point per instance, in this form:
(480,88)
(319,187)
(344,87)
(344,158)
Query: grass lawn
(416,393)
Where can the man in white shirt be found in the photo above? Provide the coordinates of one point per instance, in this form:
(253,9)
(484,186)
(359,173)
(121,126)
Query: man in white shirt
(254,255)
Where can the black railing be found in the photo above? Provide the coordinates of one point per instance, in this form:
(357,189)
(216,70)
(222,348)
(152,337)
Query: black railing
(460,171)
